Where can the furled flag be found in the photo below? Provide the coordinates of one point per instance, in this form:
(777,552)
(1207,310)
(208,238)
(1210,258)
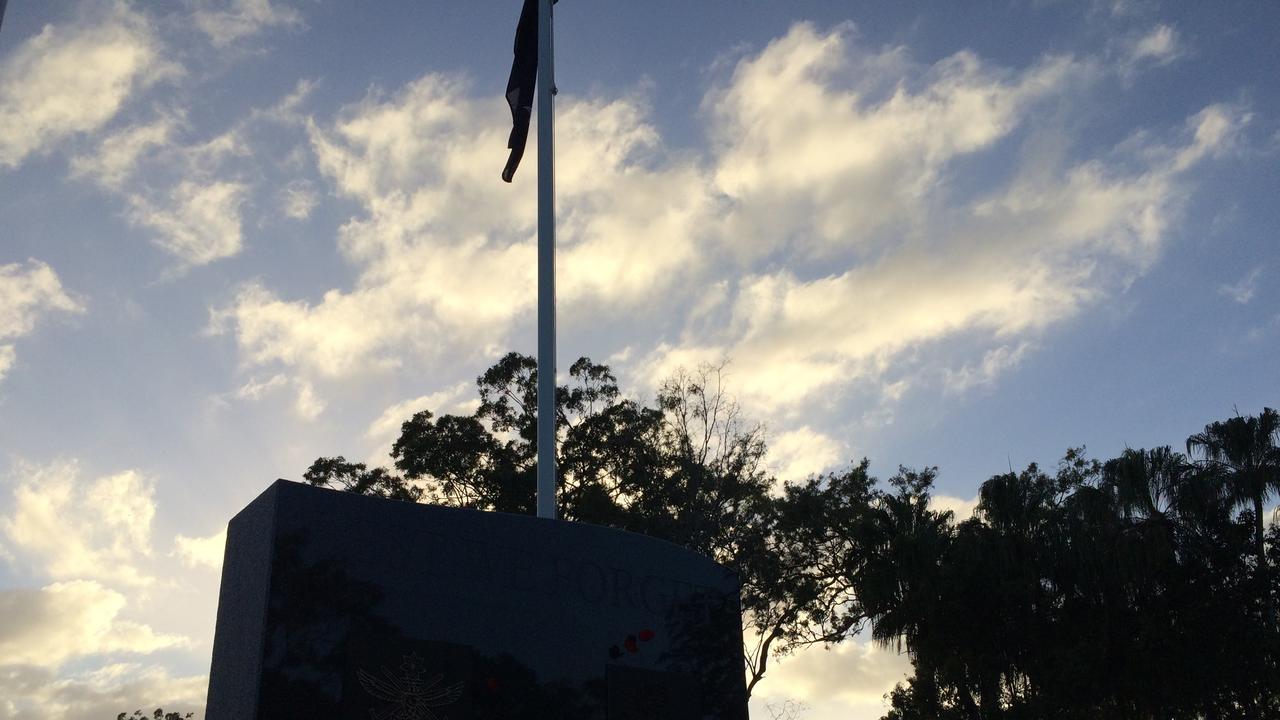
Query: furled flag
(520,87)
(2,4)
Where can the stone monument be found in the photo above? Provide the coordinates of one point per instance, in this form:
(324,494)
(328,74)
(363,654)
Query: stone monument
(340,606)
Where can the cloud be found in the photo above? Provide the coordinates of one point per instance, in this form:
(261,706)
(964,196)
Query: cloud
(61,645)
(73,529)
(387,426)
(816,153)
(191,193)
(846,681)
(822,237)
(307,404)
(1244,290)
(1160,46)
(28,292)
(73,78)
(919,264)
(298,199)
(797,454)
(226,21)
(962,508)
(198,222)
(68,620)
(7,358)
(33,693)
(202,552)
(117,156)
(445,254)
(984,374)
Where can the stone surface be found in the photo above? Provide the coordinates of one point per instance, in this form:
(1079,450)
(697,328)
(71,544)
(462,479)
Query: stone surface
(339,606)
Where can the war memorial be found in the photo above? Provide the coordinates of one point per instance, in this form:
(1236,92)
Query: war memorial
(335,605)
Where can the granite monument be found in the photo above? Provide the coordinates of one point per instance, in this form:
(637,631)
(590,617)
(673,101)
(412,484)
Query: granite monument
(335,605)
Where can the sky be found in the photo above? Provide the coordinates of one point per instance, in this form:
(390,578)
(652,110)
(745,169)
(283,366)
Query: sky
(236,235)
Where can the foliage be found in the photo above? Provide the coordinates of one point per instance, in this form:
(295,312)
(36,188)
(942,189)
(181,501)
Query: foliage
(1132,588)
(1138,587)
(158,714)
(786,709)
(687,469)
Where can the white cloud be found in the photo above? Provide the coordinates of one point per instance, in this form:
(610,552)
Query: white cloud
(822,238)
(202,552)
(199,222)
(61,645)
(962,508)
(298,199)
(74,78)
(984,374)
(447,401)
(226,21)
(1160,46)
(7,357)
(75,529)
(116,158)
(912,266)
(28,292)
(32,693)
(799,453)
(813,156)
(1244,290)
(68,620)
(846,681)
(445,253)
(307,404)
(192,193)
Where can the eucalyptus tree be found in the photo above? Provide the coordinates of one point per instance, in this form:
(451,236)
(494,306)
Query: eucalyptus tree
(689,469)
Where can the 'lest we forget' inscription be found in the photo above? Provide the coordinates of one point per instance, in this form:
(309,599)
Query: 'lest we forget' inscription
(334,605)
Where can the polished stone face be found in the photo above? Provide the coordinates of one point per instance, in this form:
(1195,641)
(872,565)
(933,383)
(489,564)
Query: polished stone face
(339,606)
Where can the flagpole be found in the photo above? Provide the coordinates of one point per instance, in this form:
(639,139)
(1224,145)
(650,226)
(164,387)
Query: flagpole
(546,266)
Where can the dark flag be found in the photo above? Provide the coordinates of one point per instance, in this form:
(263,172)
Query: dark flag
(520,87)
(2,4)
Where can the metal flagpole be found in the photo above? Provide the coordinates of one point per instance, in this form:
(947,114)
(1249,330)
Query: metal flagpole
(546,266)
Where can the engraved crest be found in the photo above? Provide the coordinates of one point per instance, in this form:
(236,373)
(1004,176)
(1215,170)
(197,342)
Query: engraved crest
(409,695)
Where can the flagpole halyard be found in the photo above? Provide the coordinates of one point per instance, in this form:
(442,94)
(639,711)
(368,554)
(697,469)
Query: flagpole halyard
(546,266)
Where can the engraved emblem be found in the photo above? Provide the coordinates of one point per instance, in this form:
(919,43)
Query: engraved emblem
(410,695)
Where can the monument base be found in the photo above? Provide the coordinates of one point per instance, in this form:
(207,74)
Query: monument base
(335,605)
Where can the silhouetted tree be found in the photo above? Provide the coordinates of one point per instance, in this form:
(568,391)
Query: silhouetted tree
(688,469)
(158,714)
(1243,455)
(1138,587)
(1117,589)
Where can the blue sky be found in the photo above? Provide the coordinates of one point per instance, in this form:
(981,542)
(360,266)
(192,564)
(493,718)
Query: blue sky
(239,234)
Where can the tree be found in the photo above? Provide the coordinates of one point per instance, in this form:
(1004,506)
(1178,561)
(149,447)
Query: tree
(1094,592)
(689,470)
(159,714)
(1243,454)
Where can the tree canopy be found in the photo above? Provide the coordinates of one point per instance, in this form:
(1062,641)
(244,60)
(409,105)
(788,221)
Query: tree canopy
(1130,588)
(688,469)
(1141,586)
